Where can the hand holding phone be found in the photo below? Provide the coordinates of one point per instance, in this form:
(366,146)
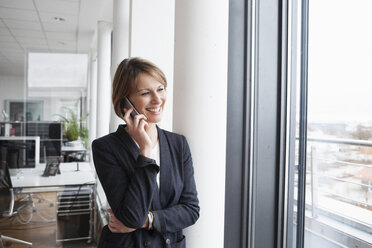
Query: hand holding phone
(136,127)
(125,103)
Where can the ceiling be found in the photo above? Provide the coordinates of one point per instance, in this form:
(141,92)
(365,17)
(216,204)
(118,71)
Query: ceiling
(54,26)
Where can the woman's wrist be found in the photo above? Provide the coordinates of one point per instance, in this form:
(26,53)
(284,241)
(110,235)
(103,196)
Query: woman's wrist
(146,225)
(145,152)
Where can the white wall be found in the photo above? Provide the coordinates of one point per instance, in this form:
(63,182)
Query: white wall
(200,99)
(152,38)
(11,88)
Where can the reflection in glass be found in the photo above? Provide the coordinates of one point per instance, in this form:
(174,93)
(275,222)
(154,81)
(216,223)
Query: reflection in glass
(44,47)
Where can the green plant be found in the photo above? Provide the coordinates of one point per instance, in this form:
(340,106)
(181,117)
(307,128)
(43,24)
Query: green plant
(73,128)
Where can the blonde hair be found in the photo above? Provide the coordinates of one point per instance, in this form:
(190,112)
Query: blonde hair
(126,79)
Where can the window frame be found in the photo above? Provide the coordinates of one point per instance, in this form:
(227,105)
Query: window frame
(257,128)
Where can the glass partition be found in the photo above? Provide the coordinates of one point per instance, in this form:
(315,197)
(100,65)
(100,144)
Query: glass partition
(45,50)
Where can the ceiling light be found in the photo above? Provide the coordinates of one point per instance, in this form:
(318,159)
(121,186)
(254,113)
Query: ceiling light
(59,19)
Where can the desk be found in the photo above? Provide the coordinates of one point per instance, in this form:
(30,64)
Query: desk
(75,196)
(31,178)
(37,144)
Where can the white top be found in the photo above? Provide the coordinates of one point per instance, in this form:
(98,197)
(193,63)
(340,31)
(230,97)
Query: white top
(155,154)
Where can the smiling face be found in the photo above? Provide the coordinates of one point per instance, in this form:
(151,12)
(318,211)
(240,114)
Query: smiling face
(149,98)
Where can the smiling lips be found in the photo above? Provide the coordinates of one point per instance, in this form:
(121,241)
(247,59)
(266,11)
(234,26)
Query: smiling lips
(154,110)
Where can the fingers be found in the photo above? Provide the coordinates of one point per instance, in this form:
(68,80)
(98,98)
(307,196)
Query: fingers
(143,124)
(113,219)
(113,229)
(109,211)
(126,117)
(118,227)
(114,224)
(136,127)
(132,122)
(138,119)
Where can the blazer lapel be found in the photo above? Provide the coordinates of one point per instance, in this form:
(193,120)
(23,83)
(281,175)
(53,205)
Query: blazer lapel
(127,141)
(165,169)
(133,149)
(162,194)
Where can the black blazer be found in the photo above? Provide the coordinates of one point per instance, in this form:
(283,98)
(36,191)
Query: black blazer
(129,181)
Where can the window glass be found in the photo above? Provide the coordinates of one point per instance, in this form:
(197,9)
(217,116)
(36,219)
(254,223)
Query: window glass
(44,63)
(338,208)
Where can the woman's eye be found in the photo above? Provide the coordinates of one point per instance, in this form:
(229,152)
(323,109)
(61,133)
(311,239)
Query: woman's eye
(160,89)
(145,93)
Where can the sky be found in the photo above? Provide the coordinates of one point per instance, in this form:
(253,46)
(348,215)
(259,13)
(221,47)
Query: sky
(340,61)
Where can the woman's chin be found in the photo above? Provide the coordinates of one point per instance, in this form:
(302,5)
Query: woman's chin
(154,120)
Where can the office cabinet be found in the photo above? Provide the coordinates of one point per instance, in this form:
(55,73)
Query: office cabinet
(50,137)
(75,214)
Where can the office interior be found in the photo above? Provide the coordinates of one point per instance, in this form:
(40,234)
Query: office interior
(272,97)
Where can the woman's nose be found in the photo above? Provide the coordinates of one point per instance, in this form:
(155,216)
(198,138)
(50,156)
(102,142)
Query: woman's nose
(156,98)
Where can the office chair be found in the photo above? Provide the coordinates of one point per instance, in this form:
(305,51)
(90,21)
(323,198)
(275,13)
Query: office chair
(8,206)
(31,196)
(11,153)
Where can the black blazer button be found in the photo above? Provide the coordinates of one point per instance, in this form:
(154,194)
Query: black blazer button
(147,243)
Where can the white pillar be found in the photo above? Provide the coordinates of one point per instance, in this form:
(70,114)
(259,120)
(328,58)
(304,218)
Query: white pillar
(104,78)
(120,45)
(200,99)
(152,38)
(93,98)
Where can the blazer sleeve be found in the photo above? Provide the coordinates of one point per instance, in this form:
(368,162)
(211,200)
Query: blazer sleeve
(186,212)
(129,197)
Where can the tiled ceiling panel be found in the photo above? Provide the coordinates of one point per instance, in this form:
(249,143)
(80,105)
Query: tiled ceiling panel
(4,31)
(58,6)
(18,33)
(44,26)
(49,17)
(32,41)
(6,45)
(19,14)
(62,36)
(17,4)
(59,27)
(17,24)
(7,38)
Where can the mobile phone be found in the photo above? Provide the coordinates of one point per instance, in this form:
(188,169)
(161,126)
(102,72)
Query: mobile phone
(125,103)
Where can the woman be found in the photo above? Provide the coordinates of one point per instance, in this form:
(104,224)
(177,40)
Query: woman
(146,172)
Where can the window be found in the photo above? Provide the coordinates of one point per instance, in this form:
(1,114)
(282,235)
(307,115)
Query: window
(332,200)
